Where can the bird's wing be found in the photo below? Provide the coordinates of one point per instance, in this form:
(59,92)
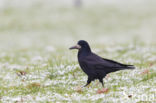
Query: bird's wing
(95,61)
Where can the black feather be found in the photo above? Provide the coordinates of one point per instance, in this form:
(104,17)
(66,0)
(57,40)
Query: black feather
(95,66)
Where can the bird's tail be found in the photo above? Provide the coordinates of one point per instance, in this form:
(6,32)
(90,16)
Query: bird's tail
(129,66)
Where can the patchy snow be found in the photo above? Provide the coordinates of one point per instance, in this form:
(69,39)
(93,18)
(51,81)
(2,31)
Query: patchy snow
(36,65)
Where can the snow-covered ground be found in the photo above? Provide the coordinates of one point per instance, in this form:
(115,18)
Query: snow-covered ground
(36,65)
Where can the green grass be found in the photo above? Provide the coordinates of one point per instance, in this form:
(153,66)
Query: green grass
(37,66)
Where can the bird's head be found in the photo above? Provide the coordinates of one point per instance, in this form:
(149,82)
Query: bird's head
(81,45)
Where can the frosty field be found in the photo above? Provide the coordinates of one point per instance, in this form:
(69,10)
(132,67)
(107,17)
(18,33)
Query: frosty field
(36,65)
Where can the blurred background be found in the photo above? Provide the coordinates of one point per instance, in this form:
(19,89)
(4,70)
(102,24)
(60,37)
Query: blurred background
(61,23)
(36,64)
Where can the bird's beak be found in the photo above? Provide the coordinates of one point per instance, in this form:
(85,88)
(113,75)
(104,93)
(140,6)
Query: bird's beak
(75,47)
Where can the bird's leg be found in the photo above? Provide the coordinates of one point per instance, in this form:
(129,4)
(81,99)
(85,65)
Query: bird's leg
(101,80)
(88,82)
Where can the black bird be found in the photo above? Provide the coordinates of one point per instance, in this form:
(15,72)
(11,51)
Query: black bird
(95,66)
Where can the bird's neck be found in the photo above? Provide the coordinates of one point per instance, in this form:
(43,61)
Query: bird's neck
(84,52)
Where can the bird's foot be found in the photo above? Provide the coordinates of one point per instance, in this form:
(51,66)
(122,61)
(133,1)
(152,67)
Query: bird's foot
(87,85)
